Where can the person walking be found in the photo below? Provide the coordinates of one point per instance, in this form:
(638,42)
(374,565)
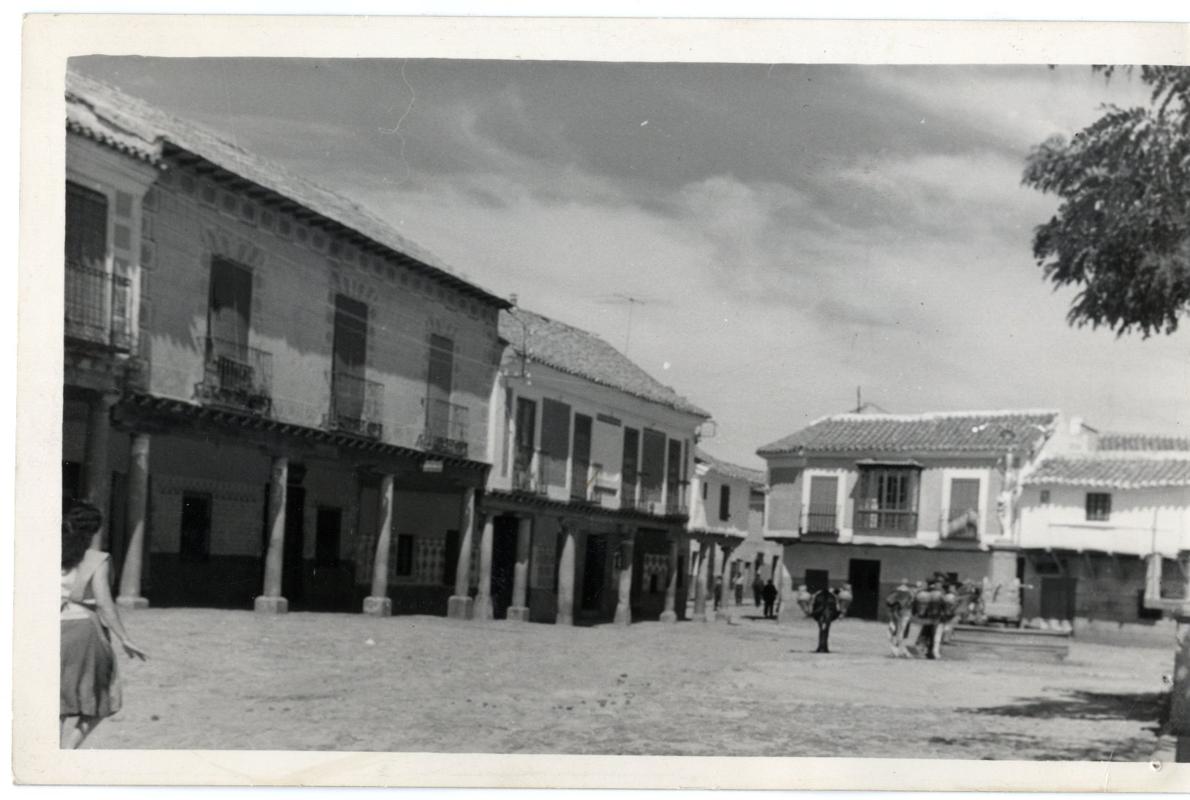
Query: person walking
(718,591)
(769,595)
(89,688)
(757,589)
(737,588)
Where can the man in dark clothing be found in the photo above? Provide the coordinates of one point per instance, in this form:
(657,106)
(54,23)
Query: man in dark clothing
(769,594)
(757,589)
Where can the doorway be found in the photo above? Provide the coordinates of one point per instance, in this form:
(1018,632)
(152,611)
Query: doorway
(594,572)
(864,577)
(1057,598)
(293,565)
(504,536)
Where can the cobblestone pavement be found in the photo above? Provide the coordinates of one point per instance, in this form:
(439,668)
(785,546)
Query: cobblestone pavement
(236,680)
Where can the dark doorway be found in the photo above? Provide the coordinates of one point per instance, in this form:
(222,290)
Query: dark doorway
(117,524)
(450,565)
(817,580)
(504,535)
(328,588)
(864,577)
(594,572)
(1057,598)
(295,527)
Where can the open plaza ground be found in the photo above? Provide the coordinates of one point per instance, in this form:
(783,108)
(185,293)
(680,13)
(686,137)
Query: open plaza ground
(236,680)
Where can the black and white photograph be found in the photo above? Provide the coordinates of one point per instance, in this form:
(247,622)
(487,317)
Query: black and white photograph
(622,407)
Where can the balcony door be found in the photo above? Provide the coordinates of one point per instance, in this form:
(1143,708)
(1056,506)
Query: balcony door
(962,519)
(439,382)
(887,501)
(581,462)
(821,516)
(350,347)
(229,310)
(555,441)
(526,431)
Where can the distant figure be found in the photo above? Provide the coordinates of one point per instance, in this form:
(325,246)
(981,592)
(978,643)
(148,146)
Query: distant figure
(757,589)
(718,591)
(737,587)
(769,595)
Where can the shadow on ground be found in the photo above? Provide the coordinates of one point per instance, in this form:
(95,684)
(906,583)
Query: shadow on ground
(1140,707)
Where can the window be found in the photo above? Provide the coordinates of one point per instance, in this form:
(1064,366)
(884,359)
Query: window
(652,473)
(1045,497)
(555,441)
(229,310)
(526,432)
(630,466)
(350,346)
(404,554)
(886,500)
(439,381)
(724,502)
(1098,506)
(704,490)
(821,516)
(86,227)
(195,541)
(673,477)
(580,464)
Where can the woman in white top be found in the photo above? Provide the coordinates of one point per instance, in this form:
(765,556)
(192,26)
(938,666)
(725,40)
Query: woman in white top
(90,684)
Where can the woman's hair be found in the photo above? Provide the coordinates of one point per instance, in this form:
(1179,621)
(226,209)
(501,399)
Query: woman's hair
(80,522)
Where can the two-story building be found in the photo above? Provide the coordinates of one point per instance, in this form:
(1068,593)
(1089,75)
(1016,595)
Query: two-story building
(1102,524)
(584,517)
(277,399)
(874,499)
(727,529)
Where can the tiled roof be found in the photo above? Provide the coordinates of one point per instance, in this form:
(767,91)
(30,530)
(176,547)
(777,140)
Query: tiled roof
(967,431)
(106,114)
(753,476)
(1143,441)
(578,352)
(1113,471)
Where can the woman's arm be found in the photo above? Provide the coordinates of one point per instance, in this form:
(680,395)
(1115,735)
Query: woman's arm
(108,612)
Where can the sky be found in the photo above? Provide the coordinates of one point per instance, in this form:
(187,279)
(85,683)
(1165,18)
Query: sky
(764,238)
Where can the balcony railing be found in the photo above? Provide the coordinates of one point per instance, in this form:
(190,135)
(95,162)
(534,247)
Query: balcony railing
(886,521)
(527,475)
(98,306)
(357,406)
(821,520)
(237,376)
(960,523)
(446,429)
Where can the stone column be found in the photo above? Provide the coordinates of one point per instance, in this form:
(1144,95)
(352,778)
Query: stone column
(519,610)
(708,566)
(378,603)
(671,582)
(1179,713)
(138,501)
(97,473)
(270,601)
(566,576)
(483,600)
(459,605)
(624,592)
(727,606)
(700,581)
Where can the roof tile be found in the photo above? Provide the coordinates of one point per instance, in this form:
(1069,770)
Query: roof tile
(974,431)
(1113,472)
(578,352)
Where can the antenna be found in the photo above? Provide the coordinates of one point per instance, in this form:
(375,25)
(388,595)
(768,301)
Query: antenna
(632,302)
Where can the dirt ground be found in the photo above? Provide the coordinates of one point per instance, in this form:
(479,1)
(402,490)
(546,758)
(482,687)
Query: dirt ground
(237,680)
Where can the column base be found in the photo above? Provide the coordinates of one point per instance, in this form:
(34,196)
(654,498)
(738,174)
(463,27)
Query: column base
(378,606)
(126,601)
(623,615)
(669,616)
(564,619)
(518,613)
(458,607)
(482,609)
(271,605)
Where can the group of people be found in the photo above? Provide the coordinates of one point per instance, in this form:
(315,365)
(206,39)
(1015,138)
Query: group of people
(763,592)
(90,689)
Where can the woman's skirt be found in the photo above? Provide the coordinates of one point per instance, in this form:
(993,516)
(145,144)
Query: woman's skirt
(90,685)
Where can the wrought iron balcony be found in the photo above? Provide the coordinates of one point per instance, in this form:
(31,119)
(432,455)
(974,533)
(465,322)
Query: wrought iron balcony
(960,523)
(237,376)
(98,306)
(886,521)
(820,520)
(446,429)
(357,406)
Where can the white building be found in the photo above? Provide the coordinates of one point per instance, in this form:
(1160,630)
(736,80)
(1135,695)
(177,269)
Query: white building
(1096,517)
